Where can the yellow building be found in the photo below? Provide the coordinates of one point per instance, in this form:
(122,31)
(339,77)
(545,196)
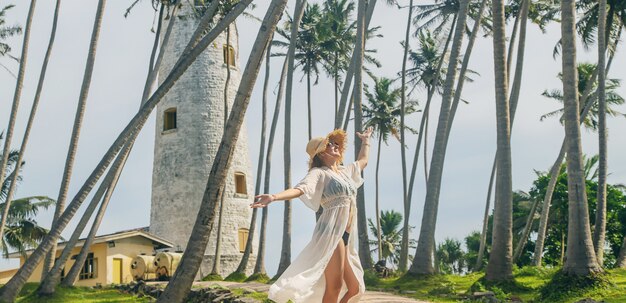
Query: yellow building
(109,257)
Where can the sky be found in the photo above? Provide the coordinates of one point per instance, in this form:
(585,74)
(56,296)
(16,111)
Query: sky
(120,71)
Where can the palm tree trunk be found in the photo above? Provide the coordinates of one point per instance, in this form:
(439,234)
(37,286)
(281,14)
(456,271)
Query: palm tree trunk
(364,254)
(215,270)
(345,92)
(14,109)
(403,261)
(562,257)
(581,259)
(621,259)
(78,121)
(33,111)
(554,172)
(423,261)
(243,264)
(106,188)
(404,245)
(500,266)
(72,275)
(285,254)
(519,248)
(10,290)
(182,279)
(514,97)
(378,233)
(308,101)
(336,85)
(259,267)
(600,225)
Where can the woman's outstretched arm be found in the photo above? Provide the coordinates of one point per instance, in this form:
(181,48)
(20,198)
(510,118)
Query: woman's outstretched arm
(265,199)
(364,153)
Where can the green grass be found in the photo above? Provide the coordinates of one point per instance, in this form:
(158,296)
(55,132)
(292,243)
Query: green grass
(215,277)
(79,294)
(261,296)
(261,278)
(236,277)
(526,286)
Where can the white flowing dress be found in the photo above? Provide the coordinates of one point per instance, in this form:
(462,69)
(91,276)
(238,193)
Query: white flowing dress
(303,280)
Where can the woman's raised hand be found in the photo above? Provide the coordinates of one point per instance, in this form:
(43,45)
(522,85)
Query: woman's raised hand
(262,201)
(365,136)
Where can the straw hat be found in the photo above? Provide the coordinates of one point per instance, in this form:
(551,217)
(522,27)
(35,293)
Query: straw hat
(318,144)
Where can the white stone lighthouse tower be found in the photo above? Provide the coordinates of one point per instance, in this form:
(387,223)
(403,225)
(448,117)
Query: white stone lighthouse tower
(189,127)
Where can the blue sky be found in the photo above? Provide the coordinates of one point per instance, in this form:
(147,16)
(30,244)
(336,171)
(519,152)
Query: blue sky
(120,71)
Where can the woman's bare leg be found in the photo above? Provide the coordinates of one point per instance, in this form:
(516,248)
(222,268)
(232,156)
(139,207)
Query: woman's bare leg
(334,274)
(351,282)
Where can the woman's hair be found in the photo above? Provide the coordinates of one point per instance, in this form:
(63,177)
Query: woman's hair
(315,162)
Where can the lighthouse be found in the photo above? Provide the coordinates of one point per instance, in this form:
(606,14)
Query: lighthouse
(189,128)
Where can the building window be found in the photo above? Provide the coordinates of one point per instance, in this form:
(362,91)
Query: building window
(169,119)
(243,239)
(90,268)
(240,184)
(229,55)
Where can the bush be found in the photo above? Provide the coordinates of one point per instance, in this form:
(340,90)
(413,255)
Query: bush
(212,277)
(236,277)
(370,277)
(563,286)
(532,271)
(261,278)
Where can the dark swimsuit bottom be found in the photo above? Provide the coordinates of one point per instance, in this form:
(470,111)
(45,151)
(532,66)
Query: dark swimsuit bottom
(345,237)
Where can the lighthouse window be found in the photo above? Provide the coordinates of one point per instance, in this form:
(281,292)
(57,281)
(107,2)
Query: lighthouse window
(169,119)
(229,55)
(243,238)
(240,184)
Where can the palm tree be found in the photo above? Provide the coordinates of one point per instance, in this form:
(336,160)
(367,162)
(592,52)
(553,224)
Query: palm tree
(444,11)
(345,92)
(585,72)
(588,103)
(383,115)
(500,265)
(522,10)
(37,97)
(600,227)
(364,255)
(7,31)
(76,128)
(423,261)
(581,258)
(390,235)
(223,8)
(587,90)
(450,256)
(621,259)
(403,96)
(10,290)
(285,254)
(240,272)
(16,101)
(336,15)
(22,231)
(181,282)
(309,51)
(426,71)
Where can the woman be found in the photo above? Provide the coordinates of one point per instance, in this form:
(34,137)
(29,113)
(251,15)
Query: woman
(328,268)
